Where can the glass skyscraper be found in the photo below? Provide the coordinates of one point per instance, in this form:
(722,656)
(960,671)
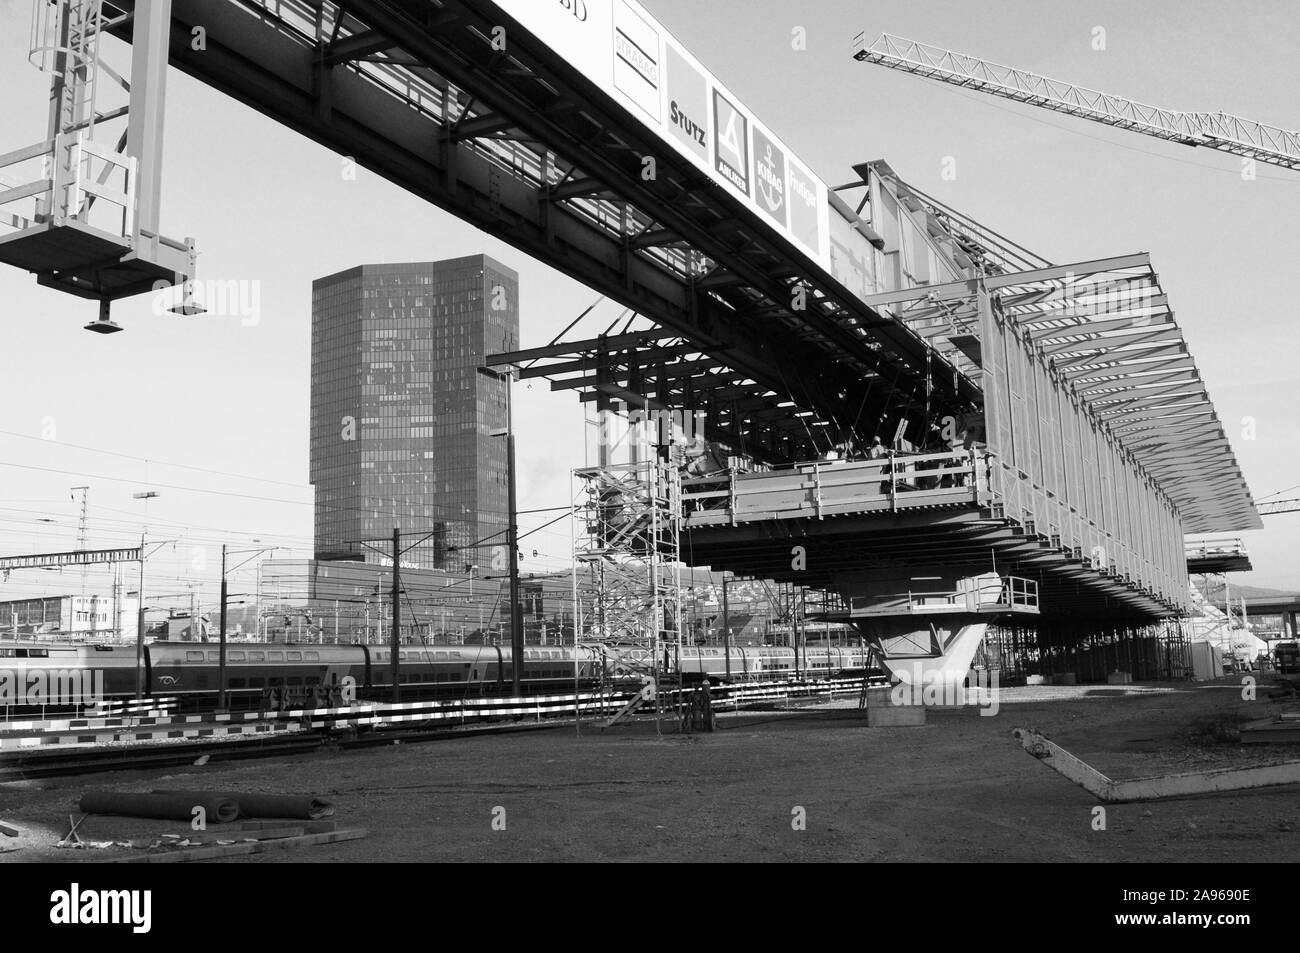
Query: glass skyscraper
(400,418)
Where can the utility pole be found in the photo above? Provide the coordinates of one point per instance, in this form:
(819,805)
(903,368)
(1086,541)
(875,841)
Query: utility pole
(81,536)
(397,611)
(512,531)
(139,631)
(512,541)
(726,623)
(221,654)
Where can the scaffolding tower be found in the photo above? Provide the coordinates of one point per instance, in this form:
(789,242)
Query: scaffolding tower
(629,541)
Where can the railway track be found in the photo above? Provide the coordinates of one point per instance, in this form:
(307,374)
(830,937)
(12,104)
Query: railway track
(97,748)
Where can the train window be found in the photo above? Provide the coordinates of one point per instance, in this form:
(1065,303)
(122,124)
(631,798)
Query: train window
(293,680)
(313,679)
(455,655)
(440,654)
(7,653)
(194,656)
(441,676)
(234,656)
(256,682)
(403,655)
(34,653)
(214,656)
(257,656)
(311,656)
(294,656)
(275,656)
(236,683)
(454,676)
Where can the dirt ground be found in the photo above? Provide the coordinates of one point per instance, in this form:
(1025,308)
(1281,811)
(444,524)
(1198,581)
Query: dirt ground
(957,789)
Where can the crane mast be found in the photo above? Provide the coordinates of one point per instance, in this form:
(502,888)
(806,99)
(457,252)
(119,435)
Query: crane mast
(1221,131)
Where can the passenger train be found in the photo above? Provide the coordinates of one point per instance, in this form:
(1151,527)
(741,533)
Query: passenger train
(47,674)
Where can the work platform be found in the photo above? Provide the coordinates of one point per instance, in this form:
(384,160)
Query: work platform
(1217,556)
(902,513)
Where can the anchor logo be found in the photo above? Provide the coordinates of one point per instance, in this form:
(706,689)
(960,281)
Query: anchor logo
(771,188)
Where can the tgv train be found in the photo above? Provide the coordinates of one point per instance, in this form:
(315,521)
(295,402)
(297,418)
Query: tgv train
(79,674)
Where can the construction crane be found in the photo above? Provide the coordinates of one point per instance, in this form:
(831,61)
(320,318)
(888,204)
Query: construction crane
(1227,133)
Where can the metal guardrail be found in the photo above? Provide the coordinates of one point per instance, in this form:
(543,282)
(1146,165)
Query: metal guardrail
(1007,594)
(830,487)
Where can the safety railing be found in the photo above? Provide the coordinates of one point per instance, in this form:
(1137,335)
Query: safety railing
(893,482)
(984,595)
(66,179)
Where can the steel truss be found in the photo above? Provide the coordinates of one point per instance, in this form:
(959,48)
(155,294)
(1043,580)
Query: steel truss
(522,145)
(1221,131)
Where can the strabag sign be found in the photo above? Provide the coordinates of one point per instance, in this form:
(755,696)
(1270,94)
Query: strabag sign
(629,55)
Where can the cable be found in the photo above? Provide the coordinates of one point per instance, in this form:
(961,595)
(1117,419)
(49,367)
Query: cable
(146,460)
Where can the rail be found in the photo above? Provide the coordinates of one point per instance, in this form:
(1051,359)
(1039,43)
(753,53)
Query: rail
(1001,595)
(818,489)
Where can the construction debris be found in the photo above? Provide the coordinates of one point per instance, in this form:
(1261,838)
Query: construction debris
(1282,730)
(8,830)
(1149,789)
(236,849)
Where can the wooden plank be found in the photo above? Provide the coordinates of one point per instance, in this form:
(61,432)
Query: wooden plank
(185,855)
(308,827)
(215,837)
(1149,789)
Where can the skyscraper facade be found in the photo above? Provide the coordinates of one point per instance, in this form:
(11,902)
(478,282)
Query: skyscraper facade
(401,417)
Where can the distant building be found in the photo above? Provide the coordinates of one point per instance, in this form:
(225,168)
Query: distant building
(80,618)
(400,417)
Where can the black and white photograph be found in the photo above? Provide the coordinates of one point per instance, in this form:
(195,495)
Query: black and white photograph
(650,432)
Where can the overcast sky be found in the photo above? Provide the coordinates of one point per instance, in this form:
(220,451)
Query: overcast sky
(174,399)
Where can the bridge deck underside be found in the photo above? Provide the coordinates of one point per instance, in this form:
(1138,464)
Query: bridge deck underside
(954,536)
(522,145)
(1227,562)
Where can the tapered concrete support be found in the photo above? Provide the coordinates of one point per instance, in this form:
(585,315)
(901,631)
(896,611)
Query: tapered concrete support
(946,657)
(1149,789)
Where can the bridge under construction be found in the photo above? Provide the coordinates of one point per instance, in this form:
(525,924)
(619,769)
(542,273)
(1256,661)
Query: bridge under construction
(896,406)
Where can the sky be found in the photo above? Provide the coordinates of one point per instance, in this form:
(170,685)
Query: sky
(211,412)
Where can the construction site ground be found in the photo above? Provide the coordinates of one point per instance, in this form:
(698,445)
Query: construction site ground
(958,788)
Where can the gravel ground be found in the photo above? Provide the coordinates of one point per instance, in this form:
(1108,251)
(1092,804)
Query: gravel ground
(957,789)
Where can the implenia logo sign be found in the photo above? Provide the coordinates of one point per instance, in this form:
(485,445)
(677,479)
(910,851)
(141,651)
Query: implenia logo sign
(75,906)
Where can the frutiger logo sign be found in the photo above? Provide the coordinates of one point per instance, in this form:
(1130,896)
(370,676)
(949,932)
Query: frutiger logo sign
(75,906)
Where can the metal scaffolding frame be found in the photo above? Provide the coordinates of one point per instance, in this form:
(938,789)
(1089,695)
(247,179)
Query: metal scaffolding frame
(629,539)
(83,214)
